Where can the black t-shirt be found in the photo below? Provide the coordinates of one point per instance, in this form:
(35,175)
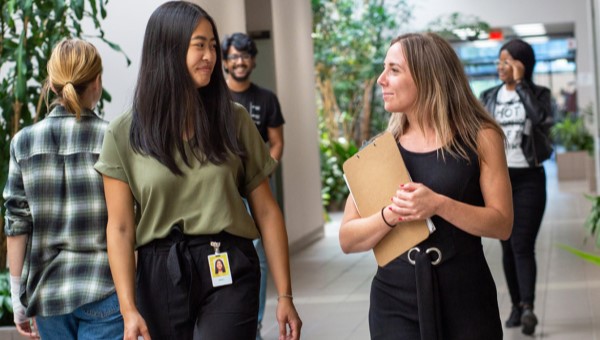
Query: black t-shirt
(263,107)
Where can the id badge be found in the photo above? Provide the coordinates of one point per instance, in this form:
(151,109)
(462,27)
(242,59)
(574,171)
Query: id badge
(218,263)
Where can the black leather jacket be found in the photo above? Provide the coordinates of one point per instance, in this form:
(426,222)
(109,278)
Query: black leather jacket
(537,101)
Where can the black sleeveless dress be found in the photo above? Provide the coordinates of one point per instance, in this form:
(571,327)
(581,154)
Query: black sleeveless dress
(454,299)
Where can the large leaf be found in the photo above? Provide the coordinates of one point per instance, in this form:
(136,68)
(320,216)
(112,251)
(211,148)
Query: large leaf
(103,8)
(116,48)
(59,8)
(78,7)
(593,258)
(592,223)
(21,85)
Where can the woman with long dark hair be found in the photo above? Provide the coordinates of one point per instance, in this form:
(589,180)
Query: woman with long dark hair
(518,104)
(175,171)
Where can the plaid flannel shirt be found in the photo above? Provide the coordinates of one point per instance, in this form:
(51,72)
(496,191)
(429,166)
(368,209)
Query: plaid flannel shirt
(54,195)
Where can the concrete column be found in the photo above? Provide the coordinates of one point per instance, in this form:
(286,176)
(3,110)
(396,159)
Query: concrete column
(295,79)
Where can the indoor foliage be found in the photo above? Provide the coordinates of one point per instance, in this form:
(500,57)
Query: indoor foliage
(350,41)
(457,26)
(572,134)
(6,310)
(30,29)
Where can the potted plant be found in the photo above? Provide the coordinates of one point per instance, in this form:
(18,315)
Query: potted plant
(576,147)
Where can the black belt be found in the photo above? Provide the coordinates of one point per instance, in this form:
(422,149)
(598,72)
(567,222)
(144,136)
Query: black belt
(430,253)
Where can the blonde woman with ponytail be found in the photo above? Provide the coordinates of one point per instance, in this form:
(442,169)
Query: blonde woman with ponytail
(55,210)
(442,288)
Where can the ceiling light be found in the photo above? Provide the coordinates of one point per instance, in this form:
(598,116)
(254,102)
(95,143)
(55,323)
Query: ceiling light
(529,29)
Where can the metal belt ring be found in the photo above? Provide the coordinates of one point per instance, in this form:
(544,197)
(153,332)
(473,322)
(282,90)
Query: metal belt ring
(412,261)
(436,250)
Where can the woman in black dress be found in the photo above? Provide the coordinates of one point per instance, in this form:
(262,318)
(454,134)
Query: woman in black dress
(453,151)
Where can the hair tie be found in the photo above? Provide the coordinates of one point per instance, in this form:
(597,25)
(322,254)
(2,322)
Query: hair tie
(70,82)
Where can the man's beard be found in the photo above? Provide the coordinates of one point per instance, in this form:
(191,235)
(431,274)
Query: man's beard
(238,78)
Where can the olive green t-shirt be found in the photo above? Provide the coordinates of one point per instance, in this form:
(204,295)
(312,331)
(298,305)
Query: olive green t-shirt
(207,199)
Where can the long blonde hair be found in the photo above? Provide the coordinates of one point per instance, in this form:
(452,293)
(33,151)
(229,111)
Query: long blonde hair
(73,65)
(445,100)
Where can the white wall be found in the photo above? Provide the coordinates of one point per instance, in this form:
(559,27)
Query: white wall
(125,25)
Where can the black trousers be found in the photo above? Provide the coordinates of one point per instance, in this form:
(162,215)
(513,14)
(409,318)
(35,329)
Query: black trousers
(518,252)
(176,297)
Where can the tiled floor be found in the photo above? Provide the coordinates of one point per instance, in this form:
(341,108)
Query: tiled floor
(331,289)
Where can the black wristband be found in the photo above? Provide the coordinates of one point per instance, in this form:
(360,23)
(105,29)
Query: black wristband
(386,222)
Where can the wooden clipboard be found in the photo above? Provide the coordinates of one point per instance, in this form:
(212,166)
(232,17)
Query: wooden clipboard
(373,175)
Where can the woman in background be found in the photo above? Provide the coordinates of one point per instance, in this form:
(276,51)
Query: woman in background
(518,104)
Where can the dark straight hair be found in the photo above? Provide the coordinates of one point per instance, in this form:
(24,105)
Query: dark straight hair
(524,53)
(166,100)
(242,42)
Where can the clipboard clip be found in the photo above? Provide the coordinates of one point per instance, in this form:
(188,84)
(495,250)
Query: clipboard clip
(365,144)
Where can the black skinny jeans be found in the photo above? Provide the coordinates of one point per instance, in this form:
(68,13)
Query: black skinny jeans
(518,252)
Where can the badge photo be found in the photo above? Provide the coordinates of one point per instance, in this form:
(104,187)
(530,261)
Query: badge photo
(219,269)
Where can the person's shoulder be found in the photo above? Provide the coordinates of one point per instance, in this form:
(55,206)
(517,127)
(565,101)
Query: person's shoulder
(122,123)
(490,134)
(238,109)
(96,120)
(537,90)
(24,135)
(263,90)
(486,93)
(240,114)
(36,130)
(540,88)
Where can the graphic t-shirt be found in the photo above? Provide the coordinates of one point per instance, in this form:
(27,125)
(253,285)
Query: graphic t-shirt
(263,107)
(510,114)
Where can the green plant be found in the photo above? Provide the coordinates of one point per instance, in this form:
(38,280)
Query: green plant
(6,310)
(572,134)
(350,40)
(457,26)
(592,225)
(593,258)
(30,29)
(592,222)
(333,155)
